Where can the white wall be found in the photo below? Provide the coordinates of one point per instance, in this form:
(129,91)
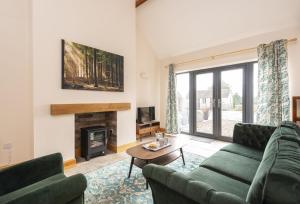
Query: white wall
(293,60)
(147,78)
(175,27)
(15,82)
(30,65)
(105,24)
(294,67)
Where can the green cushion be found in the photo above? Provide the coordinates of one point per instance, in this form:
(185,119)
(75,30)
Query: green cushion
(31,188)
(252,135)
(244,151)
(29,172)
(220,182)
(233,165)
(169,186)
(57,189)
(278,176)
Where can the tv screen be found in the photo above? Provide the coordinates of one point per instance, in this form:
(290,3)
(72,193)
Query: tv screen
(145,114)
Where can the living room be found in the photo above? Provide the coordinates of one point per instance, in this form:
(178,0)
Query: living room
(205,80)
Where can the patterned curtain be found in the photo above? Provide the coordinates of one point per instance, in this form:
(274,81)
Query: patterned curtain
(273,85)
(171,115)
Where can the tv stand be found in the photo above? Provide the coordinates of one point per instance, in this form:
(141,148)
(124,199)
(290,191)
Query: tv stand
(147,129)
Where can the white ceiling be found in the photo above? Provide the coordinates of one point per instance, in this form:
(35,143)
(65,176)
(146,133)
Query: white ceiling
(175,27)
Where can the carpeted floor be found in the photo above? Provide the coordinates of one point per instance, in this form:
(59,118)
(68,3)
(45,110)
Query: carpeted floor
(110,184)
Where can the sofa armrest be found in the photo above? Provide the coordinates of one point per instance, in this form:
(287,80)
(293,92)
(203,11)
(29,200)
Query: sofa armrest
(60,191)
(29,172)
(252,135)
(228,198)
(169,186)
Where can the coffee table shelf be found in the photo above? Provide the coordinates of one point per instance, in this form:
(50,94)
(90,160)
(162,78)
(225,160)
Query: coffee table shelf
(163,160)
(140,156)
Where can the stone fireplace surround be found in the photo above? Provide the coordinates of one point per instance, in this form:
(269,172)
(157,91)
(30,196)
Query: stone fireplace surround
(106,119)
(90,114)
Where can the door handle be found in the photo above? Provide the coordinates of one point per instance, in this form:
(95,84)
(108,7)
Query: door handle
(214,102)
(219,103)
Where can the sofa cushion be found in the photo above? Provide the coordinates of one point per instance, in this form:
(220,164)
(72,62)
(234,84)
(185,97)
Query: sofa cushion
(26,173)
(220,182)
(233,165)
(252,135)
(32,187)
(278,177)
(244,151)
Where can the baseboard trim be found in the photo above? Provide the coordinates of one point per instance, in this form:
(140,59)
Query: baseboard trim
(6,166)
(78,152)
(72,162)
(69,164)
(121,148)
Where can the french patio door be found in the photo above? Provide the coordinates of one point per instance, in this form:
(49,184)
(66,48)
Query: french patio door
(221,97)
(204,104)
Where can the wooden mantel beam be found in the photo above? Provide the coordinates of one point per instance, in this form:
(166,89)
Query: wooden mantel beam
(62,109)
(139,2)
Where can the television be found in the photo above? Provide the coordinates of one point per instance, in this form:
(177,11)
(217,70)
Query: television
(145,114)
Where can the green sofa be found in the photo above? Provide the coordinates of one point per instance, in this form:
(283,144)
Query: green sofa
(41,181)
(261,166)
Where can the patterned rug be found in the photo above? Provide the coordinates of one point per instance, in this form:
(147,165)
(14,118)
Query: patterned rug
(111,185)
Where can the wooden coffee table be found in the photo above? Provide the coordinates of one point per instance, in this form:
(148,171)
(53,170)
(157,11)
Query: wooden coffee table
(141,156)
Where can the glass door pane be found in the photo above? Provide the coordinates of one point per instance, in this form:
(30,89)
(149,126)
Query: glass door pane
(204,101)
(183,101)
(231,100)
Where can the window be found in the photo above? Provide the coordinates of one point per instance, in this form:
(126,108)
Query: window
(183,101)
(231,100)
(212,101)
(204,110)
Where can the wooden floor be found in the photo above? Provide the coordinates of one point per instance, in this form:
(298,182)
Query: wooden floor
(197,145)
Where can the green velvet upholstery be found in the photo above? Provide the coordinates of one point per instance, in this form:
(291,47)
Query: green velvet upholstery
(220,182)
(278,176)
(244,151)
(13,178)
(41,181)
(223,162)
(251,135)
(262,166)
(171,187)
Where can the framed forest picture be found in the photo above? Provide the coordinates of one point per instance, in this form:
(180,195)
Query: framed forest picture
(87,68)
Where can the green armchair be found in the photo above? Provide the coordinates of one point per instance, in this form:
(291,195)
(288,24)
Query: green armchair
(41,181)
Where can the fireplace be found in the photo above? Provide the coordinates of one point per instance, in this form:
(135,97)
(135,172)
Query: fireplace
(93,141)
(91,130)
(88,115)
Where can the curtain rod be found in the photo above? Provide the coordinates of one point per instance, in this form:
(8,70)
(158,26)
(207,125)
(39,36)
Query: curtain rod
(223,54)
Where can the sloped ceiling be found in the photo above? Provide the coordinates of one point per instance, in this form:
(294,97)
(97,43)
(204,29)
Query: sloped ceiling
(175,27)
(139,2)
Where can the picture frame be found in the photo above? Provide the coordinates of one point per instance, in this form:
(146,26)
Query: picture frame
(296,110)
(88,68)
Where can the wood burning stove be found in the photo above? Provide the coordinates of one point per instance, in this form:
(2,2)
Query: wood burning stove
(93,141)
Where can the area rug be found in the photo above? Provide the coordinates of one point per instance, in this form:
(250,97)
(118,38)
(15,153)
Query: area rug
(111,185)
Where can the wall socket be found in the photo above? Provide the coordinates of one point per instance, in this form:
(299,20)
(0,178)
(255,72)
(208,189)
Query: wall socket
(6,154)
(7,146)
